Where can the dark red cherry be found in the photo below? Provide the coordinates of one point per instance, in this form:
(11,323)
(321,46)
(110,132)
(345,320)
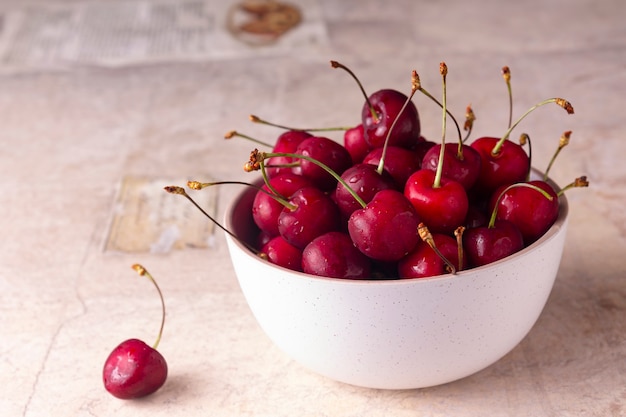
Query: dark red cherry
(133,370)
(476,216)
(354,142)
(365,181)
(328,152)
(484,245)
(442,208)
(386,229)
(508,166)
(462,167)
(314,214)
(528,209)
(287,142)
(266,209)
(333,255)
(282,253)
(400,163)
(387,105)
(424,262)
(421,148)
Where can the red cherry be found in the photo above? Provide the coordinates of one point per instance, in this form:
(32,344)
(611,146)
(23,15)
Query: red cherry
(386,229)
(282,253)
(508,166)
(366,182)
(354,142)
(528,209)
(400,163)
(328,152)
(387,105)
(266,209)
(423,261)
(333,255)
(287,142)
(462,167)
(442,208)
(486,244)
(314,214)
(133,370)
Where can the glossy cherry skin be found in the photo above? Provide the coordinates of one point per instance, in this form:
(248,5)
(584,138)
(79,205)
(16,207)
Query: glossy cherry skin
(365,181)
(282,253)
(333,255)
(424,262)
(509,166)
(354,142)
(442,209)
(266,209)
(386,229)
(464,170)
(484,245)
(528,209)
(287,142)
(387,104)
(315,213)
(400,163)
(133,370)
(422,147)
(328,152)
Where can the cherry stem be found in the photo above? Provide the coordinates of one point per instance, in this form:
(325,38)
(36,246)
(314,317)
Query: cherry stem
(577,183)
(458,233)
(456,124)
(234,133)
(506,74)
(523,140)
(494,213)
(257,119)
(173,189)
(443,69)
(336,64)
(559,101)
(563,142)
(143,272)
(414,88)
(470,117)
(256,162)
(430,241)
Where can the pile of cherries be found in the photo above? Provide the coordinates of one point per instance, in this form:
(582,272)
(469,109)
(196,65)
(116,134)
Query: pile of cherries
(390,204)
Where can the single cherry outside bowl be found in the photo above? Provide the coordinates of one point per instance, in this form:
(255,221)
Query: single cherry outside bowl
(397,334)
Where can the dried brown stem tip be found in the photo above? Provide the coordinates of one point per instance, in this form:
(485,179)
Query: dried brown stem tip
(564,140)
(197,185)
(140,269)
(415,81)
(254,164)
(174,189)
(255,119)
(506,73)
(581,182)
(470,117)
(566,105)
(523,139)
(443,69)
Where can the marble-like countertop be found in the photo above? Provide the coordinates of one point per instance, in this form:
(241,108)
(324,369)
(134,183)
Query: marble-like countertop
(76,134)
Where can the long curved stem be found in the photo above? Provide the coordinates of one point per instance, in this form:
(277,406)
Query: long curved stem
(143,272)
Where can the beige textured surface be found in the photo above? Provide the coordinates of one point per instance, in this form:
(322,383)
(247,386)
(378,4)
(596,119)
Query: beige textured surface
(71,136)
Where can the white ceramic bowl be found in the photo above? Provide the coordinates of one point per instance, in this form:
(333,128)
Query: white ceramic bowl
(397,334)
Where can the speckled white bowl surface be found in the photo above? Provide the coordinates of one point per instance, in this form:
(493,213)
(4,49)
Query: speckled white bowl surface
(397,334)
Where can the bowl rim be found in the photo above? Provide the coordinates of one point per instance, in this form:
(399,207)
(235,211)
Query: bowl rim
(547,236)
